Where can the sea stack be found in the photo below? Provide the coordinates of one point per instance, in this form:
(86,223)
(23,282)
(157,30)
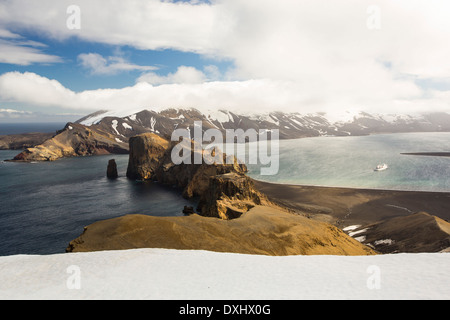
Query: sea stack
(111,172)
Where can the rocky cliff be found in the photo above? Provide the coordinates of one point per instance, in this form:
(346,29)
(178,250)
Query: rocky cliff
(194,178)
(146,151)
(223,188)
(229,196)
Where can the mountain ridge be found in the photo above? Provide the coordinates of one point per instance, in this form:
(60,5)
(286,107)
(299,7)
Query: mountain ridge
(291,125)
(116,129)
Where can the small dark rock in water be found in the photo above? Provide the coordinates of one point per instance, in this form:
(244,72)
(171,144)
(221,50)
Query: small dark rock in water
(111,172)
(188,210)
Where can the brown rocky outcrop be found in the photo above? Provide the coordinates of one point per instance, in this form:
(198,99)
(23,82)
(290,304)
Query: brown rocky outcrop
(194,178)
(223,188)
(74,140)
(146,151)
(230,195)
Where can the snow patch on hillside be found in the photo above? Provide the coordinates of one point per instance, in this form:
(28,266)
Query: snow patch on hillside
(354,233)
(351,228)
(218,115)
(126,112)
(127,126)
(114,126)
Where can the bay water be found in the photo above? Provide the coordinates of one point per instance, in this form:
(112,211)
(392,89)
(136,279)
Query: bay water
(19,128)
(45,205)
(350,162)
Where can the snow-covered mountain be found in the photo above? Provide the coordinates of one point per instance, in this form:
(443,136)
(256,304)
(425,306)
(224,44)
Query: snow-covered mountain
(108,131)
(291,125)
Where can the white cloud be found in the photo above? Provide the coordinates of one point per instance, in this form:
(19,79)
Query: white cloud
(12,111)
(14,49)
(22,52)
(33,89)
(150,24)
(187,75)
(212,72)
(8,34)
(14,114)
(248,97)
(298,55)
(97,64)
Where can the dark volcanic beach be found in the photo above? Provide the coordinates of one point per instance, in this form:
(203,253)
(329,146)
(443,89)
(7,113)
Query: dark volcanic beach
(348,206)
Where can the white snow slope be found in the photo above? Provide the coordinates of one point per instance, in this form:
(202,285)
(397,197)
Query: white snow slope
(200,275)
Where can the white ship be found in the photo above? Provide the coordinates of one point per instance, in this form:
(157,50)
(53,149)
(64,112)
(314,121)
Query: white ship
(381,167)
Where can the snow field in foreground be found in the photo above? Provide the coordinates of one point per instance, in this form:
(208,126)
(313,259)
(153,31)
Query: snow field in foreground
(200,275)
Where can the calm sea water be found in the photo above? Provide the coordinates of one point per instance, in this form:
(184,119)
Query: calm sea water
(350,162)
(18,128)
(43,206)
(46,205)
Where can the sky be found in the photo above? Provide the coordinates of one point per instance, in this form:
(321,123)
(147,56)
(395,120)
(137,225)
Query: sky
(63,59)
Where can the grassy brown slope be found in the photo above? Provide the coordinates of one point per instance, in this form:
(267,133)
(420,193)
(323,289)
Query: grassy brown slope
(262,230)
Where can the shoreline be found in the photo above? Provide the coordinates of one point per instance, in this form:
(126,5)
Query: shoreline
(344,206)
(344,187)
(428,154)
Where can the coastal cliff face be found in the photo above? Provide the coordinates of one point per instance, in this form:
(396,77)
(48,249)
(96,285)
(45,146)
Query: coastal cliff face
(74,140)
(223,188)
(146,151)
(194,178)
(229,196)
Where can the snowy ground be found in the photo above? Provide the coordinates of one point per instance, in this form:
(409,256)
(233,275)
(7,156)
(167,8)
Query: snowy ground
(199,275)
